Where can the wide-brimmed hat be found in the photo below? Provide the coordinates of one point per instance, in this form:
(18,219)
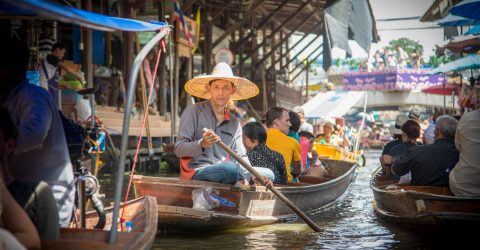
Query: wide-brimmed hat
(397,130)
(244,88)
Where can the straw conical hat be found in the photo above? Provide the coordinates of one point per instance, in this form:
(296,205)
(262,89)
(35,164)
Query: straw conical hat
(244,88)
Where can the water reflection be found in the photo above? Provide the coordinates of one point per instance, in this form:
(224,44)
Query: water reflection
(351,224)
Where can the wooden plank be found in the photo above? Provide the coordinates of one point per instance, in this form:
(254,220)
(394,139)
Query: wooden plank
(291,17)
(288,36)
(219,11)
(301,50)
(293,46)
(309,62)
(234,27)
(264,21)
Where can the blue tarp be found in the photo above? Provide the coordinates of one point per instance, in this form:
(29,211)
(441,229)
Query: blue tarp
(66,14)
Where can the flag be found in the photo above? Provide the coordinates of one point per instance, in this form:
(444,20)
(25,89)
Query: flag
(178,14)
(197,21)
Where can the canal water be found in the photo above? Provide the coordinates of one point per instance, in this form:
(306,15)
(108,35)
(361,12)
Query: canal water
(350,224)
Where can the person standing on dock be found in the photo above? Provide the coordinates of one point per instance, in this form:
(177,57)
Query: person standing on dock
(200,157)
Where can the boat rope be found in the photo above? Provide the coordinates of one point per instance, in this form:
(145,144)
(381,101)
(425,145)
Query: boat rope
(145,113)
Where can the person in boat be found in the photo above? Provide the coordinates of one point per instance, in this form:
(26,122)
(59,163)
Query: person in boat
(397,136)
(305,126)
(465,177)
(295,125)
(41,152)
(429,164)
(313,166)
(410,133)
(201,158)
(278,123)
(36,198)
(254,139)
(331,138)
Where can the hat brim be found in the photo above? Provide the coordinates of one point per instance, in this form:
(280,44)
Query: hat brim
(245,89)
(395,131)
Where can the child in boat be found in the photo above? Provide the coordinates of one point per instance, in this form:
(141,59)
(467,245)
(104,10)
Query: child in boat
(254,139)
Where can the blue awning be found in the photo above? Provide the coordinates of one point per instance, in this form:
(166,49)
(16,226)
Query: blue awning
(67,14)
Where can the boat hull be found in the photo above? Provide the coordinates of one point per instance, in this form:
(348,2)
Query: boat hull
(253,205)
(422,204)
(141,211)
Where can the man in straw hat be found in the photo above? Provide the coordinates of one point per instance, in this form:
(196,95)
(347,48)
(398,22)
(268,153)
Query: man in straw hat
(201,158)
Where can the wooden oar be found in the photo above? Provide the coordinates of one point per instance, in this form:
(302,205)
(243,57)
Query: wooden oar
(282,197)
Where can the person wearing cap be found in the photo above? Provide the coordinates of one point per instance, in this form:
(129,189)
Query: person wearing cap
(201,157)
(397,136)
(430,164)
(304,126)
(414,115)
(410,133)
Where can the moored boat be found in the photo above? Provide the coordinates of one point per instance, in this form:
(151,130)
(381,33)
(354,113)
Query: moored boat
(421,204)
(243,206)
(141,212)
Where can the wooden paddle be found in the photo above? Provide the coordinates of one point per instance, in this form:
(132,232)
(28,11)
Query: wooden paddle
(282,197)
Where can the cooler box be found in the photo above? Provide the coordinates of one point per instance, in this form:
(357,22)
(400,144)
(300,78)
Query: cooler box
(331,152)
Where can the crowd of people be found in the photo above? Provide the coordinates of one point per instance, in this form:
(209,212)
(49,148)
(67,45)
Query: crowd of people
(281,147)
(392,59)
(442,154)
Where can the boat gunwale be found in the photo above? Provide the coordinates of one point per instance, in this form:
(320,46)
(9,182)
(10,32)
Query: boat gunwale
(417,194)
(176,181)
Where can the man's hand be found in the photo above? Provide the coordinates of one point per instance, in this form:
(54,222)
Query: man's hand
(209,138)
(266,181)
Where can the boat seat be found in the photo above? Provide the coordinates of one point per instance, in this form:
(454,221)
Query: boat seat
(186,173)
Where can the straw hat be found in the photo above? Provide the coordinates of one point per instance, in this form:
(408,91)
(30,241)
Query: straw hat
(401,119)
(244,88)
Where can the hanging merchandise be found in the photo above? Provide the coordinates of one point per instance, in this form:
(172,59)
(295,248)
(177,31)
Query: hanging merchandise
(468,96)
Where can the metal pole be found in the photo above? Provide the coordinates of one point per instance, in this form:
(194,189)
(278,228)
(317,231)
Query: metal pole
(172,119)
(126,124)
(361,124)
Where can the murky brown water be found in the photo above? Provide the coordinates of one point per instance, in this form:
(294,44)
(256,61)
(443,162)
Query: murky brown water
(350,224)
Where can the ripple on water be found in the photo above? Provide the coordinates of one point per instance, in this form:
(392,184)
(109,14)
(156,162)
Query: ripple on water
(350,224)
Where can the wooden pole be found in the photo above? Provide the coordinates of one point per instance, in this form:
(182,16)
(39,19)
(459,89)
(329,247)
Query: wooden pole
(259,177)
(162,91)
(144,99)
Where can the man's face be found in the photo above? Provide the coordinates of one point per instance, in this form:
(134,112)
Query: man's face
(283,123)
(220,92)
(59,53)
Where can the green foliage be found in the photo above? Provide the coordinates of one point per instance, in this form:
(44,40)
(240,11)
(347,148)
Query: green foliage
(353,63)
(406,44)
(435,61)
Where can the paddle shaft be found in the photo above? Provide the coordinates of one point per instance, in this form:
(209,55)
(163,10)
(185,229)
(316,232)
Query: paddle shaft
(282,197)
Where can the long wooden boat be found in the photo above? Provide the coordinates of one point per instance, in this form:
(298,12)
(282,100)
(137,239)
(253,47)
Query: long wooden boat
(421,204)
(142,212)
(245,205)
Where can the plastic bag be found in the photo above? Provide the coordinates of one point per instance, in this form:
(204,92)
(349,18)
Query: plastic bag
(203,200)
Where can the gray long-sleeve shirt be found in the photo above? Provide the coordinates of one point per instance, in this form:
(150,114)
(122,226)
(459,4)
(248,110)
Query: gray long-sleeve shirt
(193,120)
